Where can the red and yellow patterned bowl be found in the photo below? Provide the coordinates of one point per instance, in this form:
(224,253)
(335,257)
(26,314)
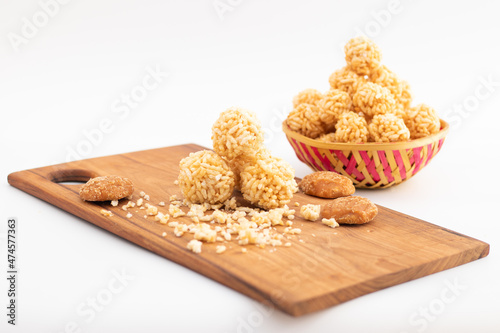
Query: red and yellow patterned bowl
(369,165)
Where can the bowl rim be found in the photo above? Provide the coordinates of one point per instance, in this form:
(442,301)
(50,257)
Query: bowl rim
(369,145)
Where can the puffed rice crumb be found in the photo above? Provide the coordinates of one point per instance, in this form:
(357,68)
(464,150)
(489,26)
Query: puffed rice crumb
(194,245)
(180,229)
(310,212)
(151,210)
(175,211)
(106,212)
(330,222)
(203,232)
(220,248)
(162,218)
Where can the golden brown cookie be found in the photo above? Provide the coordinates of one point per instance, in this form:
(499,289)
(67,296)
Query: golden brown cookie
(327,184)
(350,210)
(106,188)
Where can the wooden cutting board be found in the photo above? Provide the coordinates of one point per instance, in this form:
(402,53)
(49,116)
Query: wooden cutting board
(323,267)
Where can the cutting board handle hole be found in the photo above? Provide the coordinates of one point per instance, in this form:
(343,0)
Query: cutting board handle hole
(71,176)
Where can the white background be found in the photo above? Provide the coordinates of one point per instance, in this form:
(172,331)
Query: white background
(71,72)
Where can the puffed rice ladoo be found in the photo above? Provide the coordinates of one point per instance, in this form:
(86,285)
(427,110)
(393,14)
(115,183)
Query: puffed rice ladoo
(305,119)
(269,183)
(351,127)
(388,128)
(237,131)
(205,177)
(373,99)
(346,80)
(307,96)
(333,104)
(362,55)
(422,120)
(360,91)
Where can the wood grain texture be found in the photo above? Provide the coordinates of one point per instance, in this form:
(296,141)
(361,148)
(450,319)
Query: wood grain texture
(329,267)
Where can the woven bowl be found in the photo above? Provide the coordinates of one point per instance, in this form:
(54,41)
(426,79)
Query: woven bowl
(369,165)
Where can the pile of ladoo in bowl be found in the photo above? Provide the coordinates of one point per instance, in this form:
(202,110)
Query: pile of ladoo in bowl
(365,126)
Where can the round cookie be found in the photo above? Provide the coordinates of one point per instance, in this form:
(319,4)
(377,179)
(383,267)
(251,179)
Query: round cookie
(350,210)
(327,184)
(106,188)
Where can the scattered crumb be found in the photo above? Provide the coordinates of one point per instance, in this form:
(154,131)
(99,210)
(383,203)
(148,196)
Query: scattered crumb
(330,222)
(114,203)
(162,218)
(106,212)
(310,212)
(204,232)
(220,217)
(226,235)
(180,229)
(175,211)
(128,205)
(195,246)
(223,223)
(220,248)
(152,210)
